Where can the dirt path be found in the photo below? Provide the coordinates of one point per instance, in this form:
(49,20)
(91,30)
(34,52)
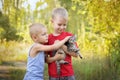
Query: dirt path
(4,72)
(5,69)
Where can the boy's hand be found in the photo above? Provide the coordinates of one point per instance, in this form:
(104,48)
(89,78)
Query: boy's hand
(64,47)
(59,56)
(56,41)
(67,38)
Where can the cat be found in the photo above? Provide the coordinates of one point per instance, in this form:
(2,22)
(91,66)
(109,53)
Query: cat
(71,47)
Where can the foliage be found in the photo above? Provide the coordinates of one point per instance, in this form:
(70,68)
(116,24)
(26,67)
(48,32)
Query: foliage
(95,22)
(99,24)
(13,20)
(13,51)
(7,32)
(115,54)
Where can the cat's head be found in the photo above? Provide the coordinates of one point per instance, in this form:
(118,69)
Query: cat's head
(72,39)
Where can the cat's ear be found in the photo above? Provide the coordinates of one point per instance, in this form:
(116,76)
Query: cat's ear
(75,36)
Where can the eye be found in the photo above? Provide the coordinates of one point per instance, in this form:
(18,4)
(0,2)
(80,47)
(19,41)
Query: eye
(43,34)
(59,24)
(64,24)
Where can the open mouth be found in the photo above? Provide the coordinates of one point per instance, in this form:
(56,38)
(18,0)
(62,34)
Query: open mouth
(61,30)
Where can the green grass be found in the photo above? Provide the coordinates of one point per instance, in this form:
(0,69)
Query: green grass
(94,69)
(91,67)
(84,70)
(17,74)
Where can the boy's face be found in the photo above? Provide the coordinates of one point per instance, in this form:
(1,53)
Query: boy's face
(59,24)
(42,37)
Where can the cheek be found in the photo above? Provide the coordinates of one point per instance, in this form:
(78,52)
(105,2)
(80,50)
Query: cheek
(64,27)
(56,27)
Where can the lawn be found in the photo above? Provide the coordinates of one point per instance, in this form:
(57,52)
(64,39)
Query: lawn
(91,67)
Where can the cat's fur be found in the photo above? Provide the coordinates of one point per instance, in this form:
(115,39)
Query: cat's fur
(71,46)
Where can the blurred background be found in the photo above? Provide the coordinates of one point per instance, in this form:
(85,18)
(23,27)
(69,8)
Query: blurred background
(95,22)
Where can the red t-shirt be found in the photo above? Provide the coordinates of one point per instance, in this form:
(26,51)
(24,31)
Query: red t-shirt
(66,69)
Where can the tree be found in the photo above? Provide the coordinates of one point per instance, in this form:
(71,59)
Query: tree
(8,33)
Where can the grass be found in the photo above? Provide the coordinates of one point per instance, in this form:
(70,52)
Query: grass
(94,69)
(91,67)
(17,73)
(84,70)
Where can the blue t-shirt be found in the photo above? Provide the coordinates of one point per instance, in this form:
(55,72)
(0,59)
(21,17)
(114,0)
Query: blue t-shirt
(35,67)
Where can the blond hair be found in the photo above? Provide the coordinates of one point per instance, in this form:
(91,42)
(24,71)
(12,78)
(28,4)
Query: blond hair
(35,28)
(60,12)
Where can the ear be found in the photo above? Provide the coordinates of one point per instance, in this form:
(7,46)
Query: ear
(34,37)
(52,20)
(75,36)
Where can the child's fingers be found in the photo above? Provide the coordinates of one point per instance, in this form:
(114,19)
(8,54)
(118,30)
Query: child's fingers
(56,41)
(59,56)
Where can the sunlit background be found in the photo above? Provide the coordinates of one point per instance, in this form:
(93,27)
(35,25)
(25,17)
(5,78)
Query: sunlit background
(95,22)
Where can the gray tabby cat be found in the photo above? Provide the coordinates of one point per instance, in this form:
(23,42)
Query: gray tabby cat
(71,48)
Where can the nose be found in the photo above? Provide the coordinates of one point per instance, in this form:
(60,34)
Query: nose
(62,27)
(46,35)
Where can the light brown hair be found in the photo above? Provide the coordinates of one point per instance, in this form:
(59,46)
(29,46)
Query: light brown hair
(35,28)
(60,12)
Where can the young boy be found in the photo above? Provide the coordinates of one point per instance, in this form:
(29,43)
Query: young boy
(59,21)
(36,57)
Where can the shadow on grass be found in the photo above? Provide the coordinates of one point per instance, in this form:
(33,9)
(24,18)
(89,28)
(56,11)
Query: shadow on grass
(16,71)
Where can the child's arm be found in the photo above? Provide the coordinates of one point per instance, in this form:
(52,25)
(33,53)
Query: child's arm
(40,47)
(64,47)
(54,58)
